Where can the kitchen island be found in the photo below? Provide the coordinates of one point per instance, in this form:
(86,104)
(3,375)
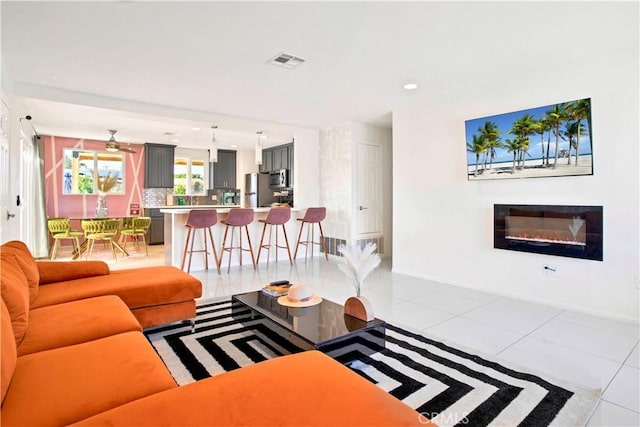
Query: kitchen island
(175,235)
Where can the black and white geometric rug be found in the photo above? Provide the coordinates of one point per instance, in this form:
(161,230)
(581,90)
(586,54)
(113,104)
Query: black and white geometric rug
(448,385)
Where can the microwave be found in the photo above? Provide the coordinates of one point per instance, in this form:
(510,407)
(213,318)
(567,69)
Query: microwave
(279,178)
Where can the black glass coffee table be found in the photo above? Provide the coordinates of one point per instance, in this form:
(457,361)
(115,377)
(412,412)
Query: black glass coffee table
(323,326)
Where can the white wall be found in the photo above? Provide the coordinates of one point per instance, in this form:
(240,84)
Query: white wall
(443,224)
(306,179)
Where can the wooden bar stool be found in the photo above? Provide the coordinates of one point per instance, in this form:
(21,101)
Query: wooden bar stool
(312,216)
(238,217)
(276,216)
(200,219)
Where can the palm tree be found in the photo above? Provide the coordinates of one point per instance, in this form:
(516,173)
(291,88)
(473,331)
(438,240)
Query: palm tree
(557,115)
(543,126)
(491,135)
(513,147)
(523,145)
(571,133)
(491,149)
(478,146)
(523,128)
(580,111)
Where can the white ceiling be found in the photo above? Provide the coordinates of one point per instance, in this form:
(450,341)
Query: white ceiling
(155,67)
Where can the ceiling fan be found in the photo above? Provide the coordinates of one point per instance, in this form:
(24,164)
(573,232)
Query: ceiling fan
(113,145)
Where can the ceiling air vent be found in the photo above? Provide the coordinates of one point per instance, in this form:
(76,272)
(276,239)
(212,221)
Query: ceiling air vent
(286,60)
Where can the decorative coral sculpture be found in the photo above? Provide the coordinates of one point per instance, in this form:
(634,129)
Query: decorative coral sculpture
(358,262)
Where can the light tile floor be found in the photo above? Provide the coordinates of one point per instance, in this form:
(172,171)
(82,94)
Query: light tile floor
(585,350)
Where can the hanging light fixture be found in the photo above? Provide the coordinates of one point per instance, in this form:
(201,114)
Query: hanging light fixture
(213,151)
(259,148)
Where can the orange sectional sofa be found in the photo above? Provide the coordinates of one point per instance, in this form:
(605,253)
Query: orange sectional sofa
(73,352)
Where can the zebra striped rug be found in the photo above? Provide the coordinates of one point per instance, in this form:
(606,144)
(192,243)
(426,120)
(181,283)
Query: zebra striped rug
(448,385)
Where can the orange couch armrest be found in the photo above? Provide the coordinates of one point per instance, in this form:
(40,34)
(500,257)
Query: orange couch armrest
(61,271)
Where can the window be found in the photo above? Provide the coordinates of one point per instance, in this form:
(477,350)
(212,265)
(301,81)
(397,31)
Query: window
(197,177)
(189,176)
(83,168)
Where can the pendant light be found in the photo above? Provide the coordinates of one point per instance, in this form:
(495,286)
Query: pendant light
(259,148)
(213,151)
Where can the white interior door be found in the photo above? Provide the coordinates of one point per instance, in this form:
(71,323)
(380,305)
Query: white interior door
(4,169)
(368,190)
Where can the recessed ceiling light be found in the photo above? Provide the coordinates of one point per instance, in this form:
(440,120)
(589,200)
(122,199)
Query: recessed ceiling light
(234,146)
(195,128)
(175,140)
(410,86)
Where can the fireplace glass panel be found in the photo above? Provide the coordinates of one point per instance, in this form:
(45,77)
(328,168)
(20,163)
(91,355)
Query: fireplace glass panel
(571,231)
(568,231)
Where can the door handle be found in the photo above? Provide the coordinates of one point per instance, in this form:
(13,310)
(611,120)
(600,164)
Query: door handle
(10,215)
(361,208)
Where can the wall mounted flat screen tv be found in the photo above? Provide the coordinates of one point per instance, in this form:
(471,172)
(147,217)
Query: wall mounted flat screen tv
(548,141)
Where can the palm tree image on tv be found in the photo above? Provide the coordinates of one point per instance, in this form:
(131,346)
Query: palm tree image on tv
(554,140)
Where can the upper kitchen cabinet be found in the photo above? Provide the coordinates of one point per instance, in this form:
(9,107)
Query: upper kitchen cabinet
(280,157)
(224,171)
(276,158)
(290,163)
(158,171)
(267,160)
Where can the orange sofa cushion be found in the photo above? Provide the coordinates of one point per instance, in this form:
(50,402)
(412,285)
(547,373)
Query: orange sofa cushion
(139,287)
(15,293)
(76,322)
(162,314)
(26,263)
(325,394)
(61,271)
(9,357)
(68,384)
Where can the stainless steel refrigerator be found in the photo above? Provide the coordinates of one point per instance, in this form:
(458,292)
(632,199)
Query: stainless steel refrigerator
(257,192)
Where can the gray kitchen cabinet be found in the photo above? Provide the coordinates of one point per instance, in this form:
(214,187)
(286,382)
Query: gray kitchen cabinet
(158,169)
(224,170)
(267,160)
(155,235)
(290,163)
(276,158)
(280,158)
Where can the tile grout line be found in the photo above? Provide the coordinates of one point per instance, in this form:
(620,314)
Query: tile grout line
(530,332)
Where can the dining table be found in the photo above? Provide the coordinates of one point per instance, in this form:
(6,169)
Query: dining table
(77,253)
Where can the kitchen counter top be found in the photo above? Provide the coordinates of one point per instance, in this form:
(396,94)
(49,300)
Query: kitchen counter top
(190,206)
(177,210)
(175,234)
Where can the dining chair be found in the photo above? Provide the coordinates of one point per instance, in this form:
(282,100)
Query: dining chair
(139,227)
(60,229)
(101,229)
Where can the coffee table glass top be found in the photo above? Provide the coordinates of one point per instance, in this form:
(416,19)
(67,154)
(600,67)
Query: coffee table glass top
(318,324)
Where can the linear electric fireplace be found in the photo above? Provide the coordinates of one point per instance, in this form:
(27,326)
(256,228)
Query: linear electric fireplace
(571,231)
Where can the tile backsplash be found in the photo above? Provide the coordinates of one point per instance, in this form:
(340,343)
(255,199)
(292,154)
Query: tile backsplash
(164,196)
(155,196)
